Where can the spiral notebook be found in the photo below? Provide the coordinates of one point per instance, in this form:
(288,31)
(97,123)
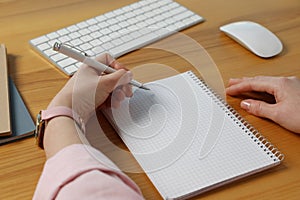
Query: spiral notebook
(187,139)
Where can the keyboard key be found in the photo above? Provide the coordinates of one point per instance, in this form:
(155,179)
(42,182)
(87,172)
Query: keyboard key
(95,42)
(118,12)
(129,15)
(44,46)
(76,42)
(72,28)
(57,57)
(117,42)
(64,39)
(105,31)
(162,32)
(135,34)
(115,27)
(84,31)
(127,8)
(161,24)
(141,24)
(196,18)
(114,35)
(71,69)
(181,16)
(123,24)
(66,62)
(149,14)
(109,15)
(173,5)
(124,31)
(103,24)
(100,18)
(112,21)
(107,45)
(98,50)
(91,21)
(85,46)
(82,25)
(145,31)
(63,31)
(86,38)
(74,35)
(53,35)
(39,40)
(134,6)
(96,34)
(50,52)
(104,38)
(126,38)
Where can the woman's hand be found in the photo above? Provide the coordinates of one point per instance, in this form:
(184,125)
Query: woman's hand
(286,91)
(89,89)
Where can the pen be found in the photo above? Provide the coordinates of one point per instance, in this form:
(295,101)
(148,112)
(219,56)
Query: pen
(59,47)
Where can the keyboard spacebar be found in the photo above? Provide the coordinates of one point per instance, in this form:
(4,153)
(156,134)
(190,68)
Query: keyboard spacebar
(134,44)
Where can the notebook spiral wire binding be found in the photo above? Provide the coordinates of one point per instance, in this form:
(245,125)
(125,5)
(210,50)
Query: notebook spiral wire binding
(254,134)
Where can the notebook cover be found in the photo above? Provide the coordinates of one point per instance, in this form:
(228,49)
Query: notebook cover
(21,122)
(5,127)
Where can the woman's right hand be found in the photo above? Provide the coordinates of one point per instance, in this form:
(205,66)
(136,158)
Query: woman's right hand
(89,89)
(286,90)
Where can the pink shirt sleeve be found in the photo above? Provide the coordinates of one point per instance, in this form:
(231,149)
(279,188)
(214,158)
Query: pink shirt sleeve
(82,172)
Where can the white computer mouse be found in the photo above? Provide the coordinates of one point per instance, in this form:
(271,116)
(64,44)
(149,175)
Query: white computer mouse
(254,37)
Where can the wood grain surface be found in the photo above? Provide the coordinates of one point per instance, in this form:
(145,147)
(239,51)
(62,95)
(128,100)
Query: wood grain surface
(38,81)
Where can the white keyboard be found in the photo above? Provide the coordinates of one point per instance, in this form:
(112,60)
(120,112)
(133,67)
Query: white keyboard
(117,32)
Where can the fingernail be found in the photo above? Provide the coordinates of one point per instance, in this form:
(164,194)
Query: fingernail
(245,105)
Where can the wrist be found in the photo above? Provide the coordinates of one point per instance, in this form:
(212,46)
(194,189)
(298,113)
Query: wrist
(45,116)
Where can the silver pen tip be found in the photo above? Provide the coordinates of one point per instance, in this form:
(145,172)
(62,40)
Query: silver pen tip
(144,87)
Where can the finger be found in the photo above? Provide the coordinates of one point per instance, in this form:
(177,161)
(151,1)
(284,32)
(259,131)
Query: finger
(125,79)
(117,65)
(234,81)
(118,95)
(127,90)
(259,84)
(107,59)
(259,108)
(115,102)
(111,81)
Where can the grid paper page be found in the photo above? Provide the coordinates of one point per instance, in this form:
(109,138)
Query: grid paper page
(165,130)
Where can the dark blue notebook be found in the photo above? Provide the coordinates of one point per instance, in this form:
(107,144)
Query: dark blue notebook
(21,122)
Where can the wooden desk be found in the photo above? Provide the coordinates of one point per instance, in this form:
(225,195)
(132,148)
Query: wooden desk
(38,81)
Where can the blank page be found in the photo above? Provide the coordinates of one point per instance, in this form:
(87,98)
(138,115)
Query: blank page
(187,139)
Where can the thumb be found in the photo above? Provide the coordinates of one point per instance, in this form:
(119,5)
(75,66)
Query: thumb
(258,108)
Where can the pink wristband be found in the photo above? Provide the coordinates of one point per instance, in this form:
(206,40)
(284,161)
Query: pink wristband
(45,115)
